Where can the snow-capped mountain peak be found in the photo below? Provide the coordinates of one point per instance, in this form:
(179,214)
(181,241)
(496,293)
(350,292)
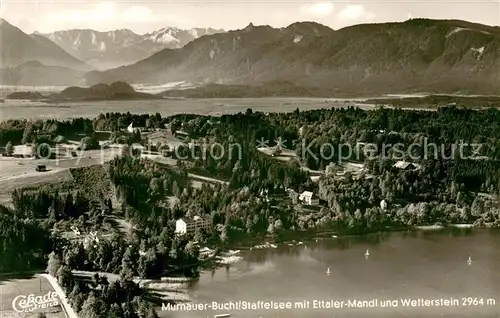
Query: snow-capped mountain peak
(121,47)
(164,35)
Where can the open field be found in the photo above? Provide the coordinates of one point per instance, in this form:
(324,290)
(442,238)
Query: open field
(30,180)
(14,109)
(163,138)
(287,155)
(13,286)
(20,172)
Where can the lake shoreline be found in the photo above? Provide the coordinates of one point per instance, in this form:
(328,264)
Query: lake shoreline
(305,237)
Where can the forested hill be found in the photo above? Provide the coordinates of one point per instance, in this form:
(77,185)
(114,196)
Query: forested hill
(98,92)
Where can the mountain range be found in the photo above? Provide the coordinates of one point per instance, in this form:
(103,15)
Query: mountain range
(418,55)
(104,50)
(19,47)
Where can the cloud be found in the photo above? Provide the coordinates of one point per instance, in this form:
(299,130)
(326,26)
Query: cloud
(319,9)
(355,12)
(95,13)
(104,15)
(138,14)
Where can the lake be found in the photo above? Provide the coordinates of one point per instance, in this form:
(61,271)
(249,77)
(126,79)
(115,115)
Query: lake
(431,265)
(16,109)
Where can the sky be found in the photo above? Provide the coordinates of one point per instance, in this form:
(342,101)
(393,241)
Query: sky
(146,16)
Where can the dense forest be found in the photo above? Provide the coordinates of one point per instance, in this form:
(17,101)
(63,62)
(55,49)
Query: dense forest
(99,297)
(260,197)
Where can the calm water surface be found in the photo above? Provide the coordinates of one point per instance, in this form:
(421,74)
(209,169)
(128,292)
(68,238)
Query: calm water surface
(15,109)
(430,265)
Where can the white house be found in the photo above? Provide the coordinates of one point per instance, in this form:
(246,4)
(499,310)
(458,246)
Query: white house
(383,205)
(307,197)
(131,129)
(180,226)
(189,227)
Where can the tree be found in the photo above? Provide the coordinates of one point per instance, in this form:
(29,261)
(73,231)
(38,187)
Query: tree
(125,152)
(91,308)
(51,212)
(115,311)
(28,134)
(278,224)
(54,264)
(270,228)
(9,149)
(147,263)
(198,235)
(77,297)
(224,234)
(89,143)
(123,122)
(192,249)
(154,187)
(145,310)
(175,189)
(65,278)
(249,225)
(129,261)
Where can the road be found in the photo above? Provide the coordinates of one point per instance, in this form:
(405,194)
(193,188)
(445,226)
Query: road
(62,295)
(206,179)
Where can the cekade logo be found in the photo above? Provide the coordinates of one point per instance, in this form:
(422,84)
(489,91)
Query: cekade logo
(31,302)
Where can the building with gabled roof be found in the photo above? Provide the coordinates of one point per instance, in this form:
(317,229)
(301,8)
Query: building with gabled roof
(185,226)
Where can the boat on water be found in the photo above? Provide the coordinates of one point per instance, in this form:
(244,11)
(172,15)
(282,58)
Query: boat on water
(206,252)
(266,245)
(367,253)
(328,271)
(234,252)
(300,243)
(469,261)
